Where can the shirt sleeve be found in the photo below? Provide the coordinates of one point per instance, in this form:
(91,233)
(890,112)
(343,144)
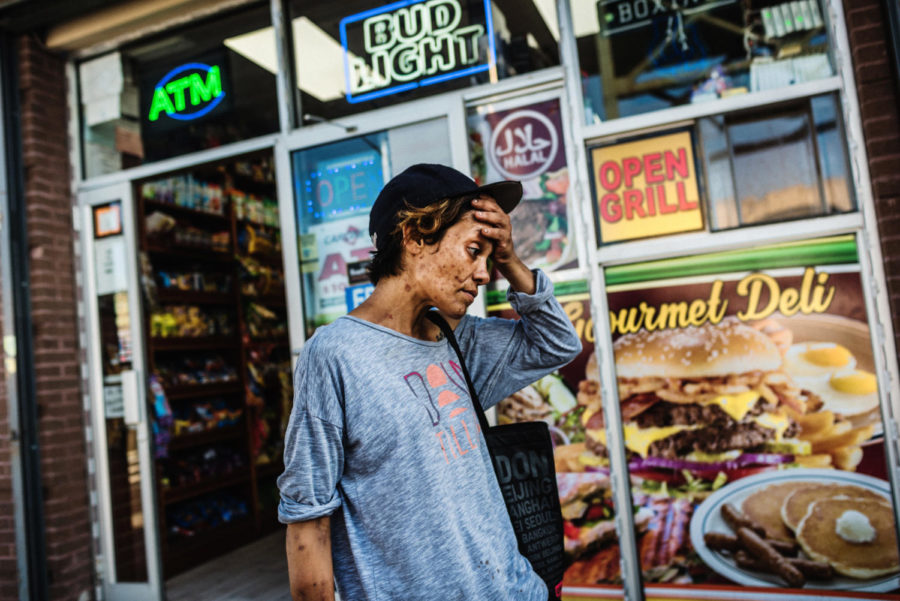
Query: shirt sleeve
(505,355)
(313,448)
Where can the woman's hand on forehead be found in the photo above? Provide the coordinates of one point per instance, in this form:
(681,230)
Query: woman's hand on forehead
(495,226)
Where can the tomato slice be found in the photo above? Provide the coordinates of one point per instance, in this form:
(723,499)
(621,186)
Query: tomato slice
(571,531)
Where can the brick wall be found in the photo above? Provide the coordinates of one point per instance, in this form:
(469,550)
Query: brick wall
(54,315)
(876,83)
(8,574)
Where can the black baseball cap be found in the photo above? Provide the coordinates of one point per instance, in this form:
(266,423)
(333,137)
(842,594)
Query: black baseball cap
(424,184)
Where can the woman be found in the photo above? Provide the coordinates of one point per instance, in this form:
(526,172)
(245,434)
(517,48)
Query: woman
(388,484)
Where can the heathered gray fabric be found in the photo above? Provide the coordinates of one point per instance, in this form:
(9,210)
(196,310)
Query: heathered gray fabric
(383,438)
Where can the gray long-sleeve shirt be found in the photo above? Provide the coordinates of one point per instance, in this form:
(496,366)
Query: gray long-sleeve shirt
(383,438)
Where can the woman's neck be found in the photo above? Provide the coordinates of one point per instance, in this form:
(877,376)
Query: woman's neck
(394,305)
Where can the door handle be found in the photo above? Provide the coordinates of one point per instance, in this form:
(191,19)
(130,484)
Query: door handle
(130,397)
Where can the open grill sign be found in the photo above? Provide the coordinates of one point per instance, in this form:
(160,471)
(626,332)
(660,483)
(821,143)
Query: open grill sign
(187,92)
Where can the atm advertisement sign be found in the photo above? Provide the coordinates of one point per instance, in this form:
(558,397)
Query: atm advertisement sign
(646,188)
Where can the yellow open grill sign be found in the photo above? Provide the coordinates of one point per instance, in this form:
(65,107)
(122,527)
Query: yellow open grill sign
(647,188)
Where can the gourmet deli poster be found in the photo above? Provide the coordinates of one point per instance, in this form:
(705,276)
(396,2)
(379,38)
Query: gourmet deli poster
(752,427)
(749,401)
(526,143)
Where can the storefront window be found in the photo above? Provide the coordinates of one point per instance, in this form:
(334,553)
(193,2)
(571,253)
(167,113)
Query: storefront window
(335,186)
(744,377)
(725,171)
(202,87)
(638,56)
(357,56)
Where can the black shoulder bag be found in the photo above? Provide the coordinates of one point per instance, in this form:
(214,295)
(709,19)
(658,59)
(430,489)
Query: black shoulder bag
(522,455)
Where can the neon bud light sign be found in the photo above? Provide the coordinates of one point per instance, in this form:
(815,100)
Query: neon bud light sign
(187,92)
(414,43)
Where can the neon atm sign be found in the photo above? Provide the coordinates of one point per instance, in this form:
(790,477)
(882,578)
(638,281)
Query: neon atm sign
(187,92)
(414,43)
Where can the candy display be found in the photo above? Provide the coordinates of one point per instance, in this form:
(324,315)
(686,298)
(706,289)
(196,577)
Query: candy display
(252,208)
(189,321)
(163,229)
(269,390)
(205,416)
(195,369)
(193,281)
(207,512)
(201,465)
(259,241)
(220,389)
(257,279)
(262,322)
(185,191)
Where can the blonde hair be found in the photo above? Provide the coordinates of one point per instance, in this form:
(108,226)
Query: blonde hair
(426,224)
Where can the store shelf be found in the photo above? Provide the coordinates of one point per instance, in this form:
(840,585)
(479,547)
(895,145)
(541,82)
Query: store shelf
(219,482)
(273,300)
(192,391)
(267,259)
(279,340)
(187,254)
(194,344)
(198,439)
(175,210)
(245,221)
(195,297)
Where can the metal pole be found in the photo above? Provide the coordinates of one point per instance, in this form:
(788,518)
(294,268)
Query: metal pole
(603,349)
(288,99)
(18,344)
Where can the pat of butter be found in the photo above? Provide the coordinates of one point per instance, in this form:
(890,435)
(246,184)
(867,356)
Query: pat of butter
(854,527)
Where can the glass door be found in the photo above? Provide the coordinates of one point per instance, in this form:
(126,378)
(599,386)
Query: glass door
(334,182)
(128,532)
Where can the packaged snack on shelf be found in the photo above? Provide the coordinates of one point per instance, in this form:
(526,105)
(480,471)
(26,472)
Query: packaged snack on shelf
(162,419)
(195,517)
(196,370)
(199,465)
(189,321)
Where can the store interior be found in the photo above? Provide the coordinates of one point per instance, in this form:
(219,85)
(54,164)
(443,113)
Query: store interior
(217,351)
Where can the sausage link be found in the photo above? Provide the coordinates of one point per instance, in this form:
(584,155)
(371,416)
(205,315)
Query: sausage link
(757,547)
(814,570)
(783,547)
(719,541)
(734,518)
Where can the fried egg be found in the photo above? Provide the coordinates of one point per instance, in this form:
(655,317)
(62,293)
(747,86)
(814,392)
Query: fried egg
(848,393)
(817,361)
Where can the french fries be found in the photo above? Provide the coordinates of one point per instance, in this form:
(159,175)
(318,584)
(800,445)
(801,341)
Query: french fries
(565,457)
(819,460)
(834,441)
(847,458)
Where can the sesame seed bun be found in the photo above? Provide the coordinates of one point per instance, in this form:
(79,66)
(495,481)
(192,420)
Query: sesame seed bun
(706,351)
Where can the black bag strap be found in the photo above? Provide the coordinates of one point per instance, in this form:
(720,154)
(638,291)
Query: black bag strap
(440,322)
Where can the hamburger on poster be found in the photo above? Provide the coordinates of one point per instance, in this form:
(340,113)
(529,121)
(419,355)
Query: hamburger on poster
(703,402)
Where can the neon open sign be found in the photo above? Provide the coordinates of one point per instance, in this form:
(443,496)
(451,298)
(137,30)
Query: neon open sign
(413,43)
(187,92)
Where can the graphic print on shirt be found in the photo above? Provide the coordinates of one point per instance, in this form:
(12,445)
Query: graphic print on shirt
(443,395)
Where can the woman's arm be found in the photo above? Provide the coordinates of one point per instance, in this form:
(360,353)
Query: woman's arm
(308,546)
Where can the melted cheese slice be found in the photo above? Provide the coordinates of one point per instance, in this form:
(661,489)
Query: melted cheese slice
(737,406)
(637,439)
(774,421)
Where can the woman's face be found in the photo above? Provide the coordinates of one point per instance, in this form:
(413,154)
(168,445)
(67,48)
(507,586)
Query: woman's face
(448,273)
